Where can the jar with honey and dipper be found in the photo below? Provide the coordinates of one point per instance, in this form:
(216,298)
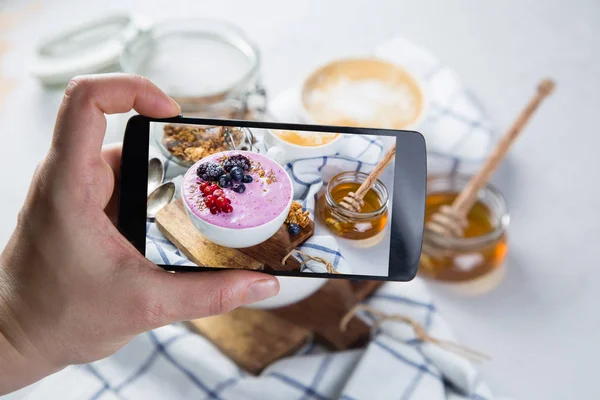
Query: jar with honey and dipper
(479,253)
(368,223)
(466,219)
(355,204)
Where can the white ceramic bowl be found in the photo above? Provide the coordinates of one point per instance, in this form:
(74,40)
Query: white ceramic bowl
(291,290)
(238,238)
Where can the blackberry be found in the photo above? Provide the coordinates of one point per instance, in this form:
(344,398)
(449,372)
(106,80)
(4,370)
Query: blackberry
(209,172)
(239,188)
(236,160)
(237,174)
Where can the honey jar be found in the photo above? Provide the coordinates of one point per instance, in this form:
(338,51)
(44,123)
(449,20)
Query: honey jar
(366,224)
(478,256)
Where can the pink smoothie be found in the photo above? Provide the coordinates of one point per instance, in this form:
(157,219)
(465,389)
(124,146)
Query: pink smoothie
(265,197)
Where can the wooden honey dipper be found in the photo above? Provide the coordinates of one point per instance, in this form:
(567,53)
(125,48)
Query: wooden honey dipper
(354,200)
(450,221)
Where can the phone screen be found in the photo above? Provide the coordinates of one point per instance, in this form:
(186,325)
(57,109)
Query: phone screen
(287,201)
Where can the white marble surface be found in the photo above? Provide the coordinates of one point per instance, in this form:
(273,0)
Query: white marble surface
(541,324)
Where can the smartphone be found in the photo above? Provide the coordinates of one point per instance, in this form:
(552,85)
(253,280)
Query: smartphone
(285,199)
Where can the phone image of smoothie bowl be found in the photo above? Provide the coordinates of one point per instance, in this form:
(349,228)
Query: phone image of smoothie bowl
(302,201)
(237,198)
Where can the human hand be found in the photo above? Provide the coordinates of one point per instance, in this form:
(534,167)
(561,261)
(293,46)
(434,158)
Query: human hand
(72,288)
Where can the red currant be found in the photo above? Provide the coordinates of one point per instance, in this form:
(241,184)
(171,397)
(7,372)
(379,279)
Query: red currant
(214,210)
(210,200)
(227,209)
(218,193)
(206,191)
(204,185)
(213,187)
(227,201)
(221,202)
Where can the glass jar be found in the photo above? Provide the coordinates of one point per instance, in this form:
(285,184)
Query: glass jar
(209,67)
(185,144)
(367,224)
(478,257)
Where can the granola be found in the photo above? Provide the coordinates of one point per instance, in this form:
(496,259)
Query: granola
(192,143)
(297,215)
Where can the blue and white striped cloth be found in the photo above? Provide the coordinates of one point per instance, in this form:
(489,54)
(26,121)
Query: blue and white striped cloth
(173,363)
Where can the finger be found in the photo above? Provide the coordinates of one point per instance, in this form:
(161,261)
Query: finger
(111,154)
(81,123)
(186,296)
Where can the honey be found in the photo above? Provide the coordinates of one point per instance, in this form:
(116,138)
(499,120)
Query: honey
(367,223)
(307,138)
(483,248)
(480,218)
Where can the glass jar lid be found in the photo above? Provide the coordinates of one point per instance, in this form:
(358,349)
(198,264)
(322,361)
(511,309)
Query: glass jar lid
(92,47)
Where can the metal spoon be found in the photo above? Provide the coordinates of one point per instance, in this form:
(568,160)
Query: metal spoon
(160,197)
(156,173)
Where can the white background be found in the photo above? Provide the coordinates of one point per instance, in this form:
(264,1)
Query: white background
(541,324)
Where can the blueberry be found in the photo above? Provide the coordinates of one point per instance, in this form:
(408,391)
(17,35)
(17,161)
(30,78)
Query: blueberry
(247,179)
(293,229)
(237,174)
(239,188)
(225,181)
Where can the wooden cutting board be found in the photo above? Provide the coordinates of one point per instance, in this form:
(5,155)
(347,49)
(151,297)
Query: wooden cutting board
(322,313)
(254,339)
(176,226)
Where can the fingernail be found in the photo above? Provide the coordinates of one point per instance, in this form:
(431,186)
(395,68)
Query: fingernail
(262,289)
(176,105)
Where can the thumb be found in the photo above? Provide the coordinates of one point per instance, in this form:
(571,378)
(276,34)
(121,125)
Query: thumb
(175,297)
(81,123)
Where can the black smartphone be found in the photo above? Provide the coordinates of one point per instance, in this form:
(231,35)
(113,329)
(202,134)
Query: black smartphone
(286,199)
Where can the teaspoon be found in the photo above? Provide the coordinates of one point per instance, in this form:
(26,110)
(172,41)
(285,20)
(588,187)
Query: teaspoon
(156,173)
(160,197)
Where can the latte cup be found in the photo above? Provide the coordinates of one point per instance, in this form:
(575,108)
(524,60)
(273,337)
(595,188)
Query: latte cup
(362,92)
(283,151)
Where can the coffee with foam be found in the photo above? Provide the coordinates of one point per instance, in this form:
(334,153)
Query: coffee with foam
(363,92)
(306,138)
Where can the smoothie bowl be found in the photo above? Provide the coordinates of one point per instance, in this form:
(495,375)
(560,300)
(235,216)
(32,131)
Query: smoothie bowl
(237,198)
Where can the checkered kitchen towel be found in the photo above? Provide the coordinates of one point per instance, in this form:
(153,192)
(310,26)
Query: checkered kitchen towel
(172,363)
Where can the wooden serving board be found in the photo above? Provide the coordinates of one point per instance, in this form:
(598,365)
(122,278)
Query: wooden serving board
(253,339)
(322,313)
(174,223)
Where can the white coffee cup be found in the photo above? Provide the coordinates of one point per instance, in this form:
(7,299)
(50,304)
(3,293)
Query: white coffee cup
(283,151)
